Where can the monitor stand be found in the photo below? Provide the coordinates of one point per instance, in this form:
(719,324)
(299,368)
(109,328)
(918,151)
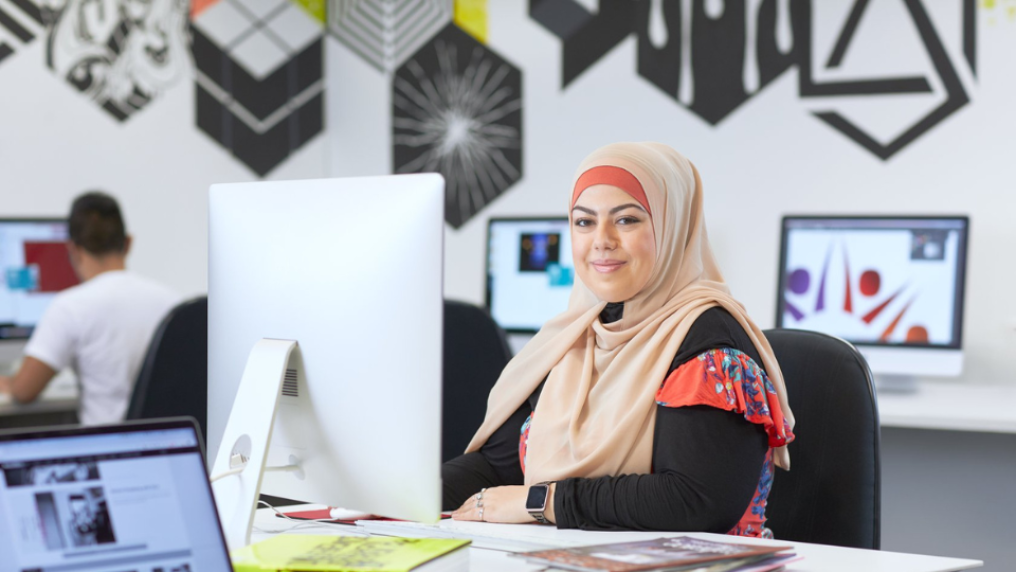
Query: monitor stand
(896,383)
(240,465)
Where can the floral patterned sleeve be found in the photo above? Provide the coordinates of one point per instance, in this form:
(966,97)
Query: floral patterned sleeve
(729,379)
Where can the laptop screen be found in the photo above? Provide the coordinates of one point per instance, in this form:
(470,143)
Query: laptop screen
(108,499)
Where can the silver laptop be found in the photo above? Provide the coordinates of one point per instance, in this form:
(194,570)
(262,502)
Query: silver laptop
(131,497)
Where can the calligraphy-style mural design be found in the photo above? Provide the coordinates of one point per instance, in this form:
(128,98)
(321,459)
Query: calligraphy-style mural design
(259,78)
(385,32)
(119,53)
(457,110)
(711,56)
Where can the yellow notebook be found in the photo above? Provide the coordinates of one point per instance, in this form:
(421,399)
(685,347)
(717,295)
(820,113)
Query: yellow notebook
(306,553)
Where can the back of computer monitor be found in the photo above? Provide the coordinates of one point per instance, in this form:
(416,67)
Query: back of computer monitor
(892,285)
(351,269)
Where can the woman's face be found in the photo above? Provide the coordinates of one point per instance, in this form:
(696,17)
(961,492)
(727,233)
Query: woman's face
(613,245)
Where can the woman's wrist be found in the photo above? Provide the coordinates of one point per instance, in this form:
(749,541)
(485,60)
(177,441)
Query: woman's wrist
(548,512)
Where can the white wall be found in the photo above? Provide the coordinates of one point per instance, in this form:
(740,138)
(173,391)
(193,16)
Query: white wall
(767,158)
(56,143)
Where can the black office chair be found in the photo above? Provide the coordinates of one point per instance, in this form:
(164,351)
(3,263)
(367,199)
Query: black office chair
(174,376)
(475,352)
(832,494)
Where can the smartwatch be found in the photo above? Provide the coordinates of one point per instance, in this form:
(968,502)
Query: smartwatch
(536,501)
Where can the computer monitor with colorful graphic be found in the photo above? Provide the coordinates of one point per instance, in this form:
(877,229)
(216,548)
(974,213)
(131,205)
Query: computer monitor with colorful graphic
(529,271)
(891,285)
(34,267)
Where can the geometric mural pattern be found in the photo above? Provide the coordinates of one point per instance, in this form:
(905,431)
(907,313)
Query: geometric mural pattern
(259,78)
(118,53)
(711,56)
(385,32)
(457,110)
(20,23)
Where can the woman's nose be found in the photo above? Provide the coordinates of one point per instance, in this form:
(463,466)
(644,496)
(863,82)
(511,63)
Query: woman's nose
(606,238)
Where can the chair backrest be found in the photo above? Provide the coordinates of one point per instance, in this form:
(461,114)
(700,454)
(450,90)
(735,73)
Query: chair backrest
(173,379)
(832,494)
(475,352)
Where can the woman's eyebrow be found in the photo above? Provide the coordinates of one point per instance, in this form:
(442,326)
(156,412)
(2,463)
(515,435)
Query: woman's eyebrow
(612,211)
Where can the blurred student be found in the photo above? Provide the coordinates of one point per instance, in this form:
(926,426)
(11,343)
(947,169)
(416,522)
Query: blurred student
(100,328)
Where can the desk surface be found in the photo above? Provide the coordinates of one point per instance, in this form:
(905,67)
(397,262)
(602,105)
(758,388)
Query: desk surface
(816,557)
(61,394)
(951,405)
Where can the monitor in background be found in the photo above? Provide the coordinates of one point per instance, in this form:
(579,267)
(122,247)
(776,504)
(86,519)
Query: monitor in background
(133,496)
(34,267)
(529,271)
(352,270)
(893,286)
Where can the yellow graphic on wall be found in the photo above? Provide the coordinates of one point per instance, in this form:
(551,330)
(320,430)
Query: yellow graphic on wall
(471,16)
(314,8)
(1004,10)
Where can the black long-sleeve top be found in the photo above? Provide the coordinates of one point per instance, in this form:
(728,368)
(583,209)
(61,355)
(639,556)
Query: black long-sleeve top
(706,461)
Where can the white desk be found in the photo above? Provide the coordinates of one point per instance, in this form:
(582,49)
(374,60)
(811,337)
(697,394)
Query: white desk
(60,396)
(951,405)
(816,557)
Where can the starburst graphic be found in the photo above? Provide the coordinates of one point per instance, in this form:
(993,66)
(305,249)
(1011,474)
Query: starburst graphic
(457,110)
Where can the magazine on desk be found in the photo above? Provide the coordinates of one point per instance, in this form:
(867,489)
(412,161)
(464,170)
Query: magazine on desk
(662,555)
(308,553)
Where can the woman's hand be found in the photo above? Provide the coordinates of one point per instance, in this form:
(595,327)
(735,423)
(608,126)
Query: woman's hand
(497,504)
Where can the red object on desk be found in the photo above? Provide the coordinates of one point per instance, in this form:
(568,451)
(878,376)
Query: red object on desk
(324,514)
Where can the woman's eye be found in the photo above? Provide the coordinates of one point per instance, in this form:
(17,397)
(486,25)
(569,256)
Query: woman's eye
(583,222)
(628,220)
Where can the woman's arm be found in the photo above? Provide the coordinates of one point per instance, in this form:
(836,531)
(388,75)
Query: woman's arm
(706,466)
(495,464)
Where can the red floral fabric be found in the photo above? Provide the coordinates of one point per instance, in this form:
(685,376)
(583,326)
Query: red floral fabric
(729,379)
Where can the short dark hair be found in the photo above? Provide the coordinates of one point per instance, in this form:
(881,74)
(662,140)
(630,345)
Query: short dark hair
(97,225)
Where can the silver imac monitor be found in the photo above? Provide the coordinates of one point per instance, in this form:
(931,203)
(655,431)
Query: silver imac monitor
(529,271)
(351,270)
(34,267)
(891,285)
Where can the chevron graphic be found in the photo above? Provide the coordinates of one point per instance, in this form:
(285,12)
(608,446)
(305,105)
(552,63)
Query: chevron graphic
(386,32)
(259,84)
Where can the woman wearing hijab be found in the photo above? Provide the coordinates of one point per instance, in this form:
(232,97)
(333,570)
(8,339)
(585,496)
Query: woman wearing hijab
(653,402)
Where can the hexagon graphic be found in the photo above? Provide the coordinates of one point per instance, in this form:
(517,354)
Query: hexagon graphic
(457,110)
(259,78)
(385,32)
(119,53)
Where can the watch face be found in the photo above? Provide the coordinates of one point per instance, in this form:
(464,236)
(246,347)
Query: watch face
(537,499)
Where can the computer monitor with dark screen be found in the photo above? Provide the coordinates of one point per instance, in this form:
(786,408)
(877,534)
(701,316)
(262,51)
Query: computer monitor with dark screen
(529,271)
(893,286)
(34,267)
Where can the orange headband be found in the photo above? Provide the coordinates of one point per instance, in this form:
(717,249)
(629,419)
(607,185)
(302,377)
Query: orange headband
(614,176)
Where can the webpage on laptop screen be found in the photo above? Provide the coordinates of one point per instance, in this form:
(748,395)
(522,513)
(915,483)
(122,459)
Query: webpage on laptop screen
(108,503)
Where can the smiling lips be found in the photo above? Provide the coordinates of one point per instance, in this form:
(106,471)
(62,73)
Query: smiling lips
(607,266)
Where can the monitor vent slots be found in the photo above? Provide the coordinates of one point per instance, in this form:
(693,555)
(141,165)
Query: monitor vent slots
(289,386)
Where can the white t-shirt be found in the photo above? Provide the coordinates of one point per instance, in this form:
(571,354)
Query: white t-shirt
(101,328)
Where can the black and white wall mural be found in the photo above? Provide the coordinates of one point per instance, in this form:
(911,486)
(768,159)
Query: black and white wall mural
(119,53)
(259,85)
(712,56)
(457,110)
(386,32)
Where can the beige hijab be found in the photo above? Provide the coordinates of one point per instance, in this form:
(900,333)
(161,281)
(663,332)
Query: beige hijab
(596,414)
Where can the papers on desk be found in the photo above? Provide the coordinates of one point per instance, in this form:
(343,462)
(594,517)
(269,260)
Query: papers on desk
(352,554)
(664,555)
(506,537)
